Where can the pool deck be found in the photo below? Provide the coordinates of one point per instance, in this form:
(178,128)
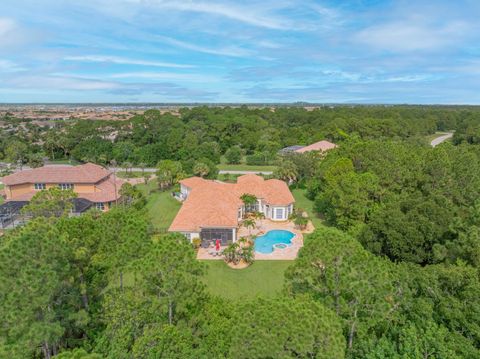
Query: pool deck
(263,226)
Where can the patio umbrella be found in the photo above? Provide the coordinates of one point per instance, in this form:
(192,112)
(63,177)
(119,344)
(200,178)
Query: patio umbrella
(217,244)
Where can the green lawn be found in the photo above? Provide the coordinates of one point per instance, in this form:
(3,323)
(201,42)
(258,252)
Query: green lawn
(64,162)
(161,206)
(263,278)
(223,166)
(303,202)
(132,174)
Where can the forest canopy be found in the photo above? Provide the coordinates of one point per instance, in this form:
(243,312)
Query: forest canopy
(391,271)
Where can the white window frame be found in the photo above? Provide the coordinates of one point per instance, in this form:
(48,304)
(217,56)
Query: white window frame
(39,186)
(279,211)
(65,186)
(100,206)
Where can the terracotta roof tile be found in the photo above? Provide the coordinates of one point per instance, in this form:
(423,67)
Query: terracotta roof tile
(87,173)
(105,191)
(216,204)
(317,146)
(192,181)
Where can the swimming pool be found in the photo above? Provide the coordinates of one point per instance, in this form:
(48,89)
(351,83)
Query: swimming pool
(264,244)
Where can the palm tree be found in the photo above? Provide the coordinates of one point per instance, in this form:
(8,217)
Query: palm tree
(259,216)
(201,169)
(249,224)
(232,253)
(248,200)
(129,166)
(287,171)
(142,165)
(125,167)
(301,222)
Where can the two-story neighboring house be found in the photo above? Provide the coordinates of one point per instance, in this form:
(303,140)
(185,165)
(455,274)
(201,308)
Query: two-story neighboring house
(94,185)
(214,209)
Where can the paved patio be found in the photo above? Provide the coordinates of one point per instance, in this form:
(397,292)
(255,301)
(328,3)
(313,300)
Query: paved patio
(263,226)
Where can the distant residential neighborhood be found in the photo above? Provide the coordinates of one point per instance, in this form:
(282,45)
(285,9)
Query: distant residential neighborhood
(224,179)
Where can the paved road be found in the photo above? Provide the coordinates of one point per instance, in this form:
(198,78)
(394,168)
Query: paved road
(233,172)
(134,169)
(153,170)
(440,139)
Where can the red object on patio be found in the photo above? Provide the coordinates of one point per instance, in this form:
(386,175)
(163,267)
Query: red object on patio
(217,244)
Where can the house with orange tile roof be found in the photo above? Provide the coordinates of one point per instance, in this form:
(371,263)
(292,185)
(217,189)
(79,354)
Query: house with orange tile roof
(214,210)
(93,184)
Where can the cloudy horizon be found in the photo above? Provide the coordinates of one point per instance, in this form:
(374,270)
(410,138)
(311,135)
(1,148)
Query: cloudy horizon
(390,52)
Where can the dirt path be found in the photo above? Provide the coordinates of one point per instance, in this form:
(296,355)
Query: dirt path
(440,139)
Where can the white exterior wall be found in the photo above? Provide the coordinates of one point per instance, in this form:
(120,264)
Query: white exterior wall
(270,211)
(185,191)
(284,212)
(191,235)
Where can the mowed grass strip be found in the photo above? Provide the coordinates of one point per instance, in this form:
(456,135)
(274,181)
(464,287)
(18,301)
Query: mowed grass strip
(301,201)
(244,167)
(161,206)
(262,278)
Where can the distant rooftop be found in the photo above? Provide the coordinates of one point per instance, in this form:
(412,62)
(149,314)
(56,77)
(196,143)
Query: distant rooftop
(321,146)
(87,173)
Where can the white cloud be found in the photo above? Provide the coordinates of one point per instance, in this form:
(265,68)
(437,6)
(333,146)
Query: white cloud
(6,27)
(124,61)
(405,78)
(9,66)
(250,15)
(413,34)
(232,51)
(60,83)
(166,76)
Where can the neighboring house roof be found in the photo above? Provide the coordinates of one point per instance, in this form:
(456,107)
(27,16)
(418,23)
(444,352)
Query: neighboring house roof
(291,148)
(317,146)
(87,173)
(215,204)
(104,191)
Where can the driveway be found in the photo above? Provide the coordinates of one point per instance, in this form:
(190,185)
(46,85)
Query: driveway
(440,139)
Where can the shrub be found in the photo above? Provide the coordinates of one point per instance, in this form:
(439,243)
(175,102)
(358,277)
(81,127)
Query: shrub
(234,155)
(257,159)
(196,242)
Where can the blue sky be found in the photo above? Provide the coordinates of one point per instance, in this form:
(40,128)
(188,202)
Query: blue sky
(358,51)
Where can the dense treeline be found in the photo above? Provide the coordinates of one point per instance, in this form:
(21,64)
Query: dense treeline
(204,133)
(102,284)
(413,245)
(394,273)
(390,310)
(76,288)
(410,203)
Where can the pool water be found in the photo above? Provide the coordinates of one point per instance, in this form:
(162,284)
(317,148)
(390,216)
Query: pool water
(264,244)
